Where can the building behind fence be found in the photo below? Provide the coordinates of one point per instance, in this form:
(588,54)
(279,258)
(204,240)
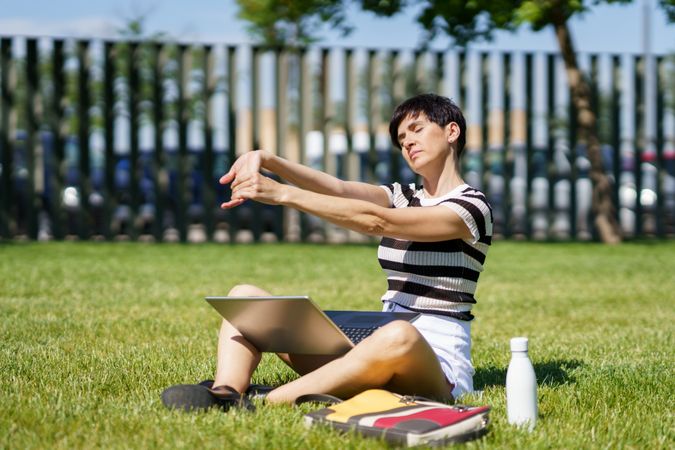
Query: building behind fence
(127,140)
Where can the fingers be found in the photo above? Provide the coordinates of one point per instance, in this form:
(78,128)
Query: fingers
(256,187)
(236,176)
(251,187)
(227,178)
(232,203)
(246,164)
(241,183)
(243,179)
(241,191)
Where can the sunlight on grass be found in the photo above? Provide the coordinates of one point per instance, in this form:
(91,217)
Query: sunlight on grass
(93,332)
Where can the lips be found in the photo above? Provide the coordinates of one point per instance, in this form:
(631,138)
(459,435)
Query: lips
(413,153)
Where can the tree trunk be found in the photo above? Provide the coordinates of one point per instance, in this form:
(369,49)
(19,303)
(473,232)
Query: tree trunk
(603,207)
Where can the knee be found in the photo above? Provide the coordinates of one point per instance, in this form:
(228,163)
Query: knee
(397,338)
(246,290)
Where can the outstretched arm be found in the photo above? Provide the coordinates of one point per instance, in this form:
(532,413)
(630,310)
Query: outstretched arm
(303,177)
(430,224)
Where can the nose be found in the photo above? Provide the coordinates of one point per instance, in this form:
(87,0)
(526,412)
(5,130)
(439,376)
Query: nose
(406,143)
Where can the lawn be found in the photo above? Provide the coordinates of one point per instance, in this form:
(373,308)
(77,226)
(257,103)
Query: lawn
(92,333)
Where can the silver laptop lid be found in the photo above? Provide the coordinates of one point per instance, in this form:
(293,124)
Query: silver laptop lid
(287,324)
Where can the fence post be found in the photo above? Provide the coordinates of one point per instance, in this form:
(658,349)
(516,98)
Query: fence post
(6,147)
(508,147)
(32,138)
(439,73)
(572,142)
(473,107)
(109,124)
(182,114)
(660,211)
(159,160)
(83,123)
(485,168)
(595,107)
(518,146)
(280,71)
(56,126)
(351,158)
(667,146)
(371,109)
(231,127)
(496,140)
(254,223)
(616,130)
(539,139)
(529,116)
(133,84)
(328,161)
(395,153)
(550,154)
(638,120)
(208,88)
(304,106)
(326,119)
(649,158)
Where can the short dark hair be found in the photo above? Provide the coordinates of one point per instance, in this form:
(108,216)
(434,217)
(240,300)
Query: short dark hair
(438,109)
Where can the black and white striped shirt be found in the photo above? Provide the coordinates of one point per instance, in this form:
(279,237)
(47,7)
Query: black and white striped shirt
(437,277)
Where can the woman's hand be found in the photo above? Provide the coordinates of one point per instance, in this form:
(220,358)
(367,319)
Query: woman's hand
(243,168)
(248,163)
(255,187)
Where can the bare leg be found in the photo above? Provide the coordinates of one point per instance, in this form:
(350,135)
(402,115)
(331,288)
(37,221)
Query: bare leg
(395,357)
(304,364)
(237,358)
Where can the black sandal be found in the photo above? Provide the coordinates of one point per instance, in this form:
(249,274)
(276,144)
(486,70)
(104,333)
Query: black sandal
(197,397)
(254,391)
(229,398)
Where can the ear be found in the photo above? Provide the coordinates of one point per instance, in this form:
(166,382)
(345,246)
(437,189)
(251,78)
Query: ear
(452,132)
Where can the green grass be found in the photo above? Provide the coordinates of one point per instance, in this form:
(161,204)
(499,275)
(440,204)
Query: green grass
(91,333)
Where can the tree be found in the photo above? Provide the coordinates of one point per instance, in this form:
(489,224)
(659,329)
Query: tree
(465,22)
(291,22)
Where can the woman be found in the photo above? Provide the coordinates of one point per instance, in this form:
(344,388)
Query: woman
(434,241)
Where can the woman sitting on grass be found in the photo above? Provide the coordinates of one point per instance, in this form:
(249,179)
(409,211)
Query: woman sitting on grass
(435,237)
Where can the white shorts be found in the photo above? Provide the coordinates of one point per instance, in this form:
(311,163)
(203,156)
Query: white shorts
(450,340)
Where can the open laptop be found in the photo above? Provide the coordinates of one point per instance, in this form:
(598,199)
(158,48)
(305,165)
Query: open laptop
(295,324)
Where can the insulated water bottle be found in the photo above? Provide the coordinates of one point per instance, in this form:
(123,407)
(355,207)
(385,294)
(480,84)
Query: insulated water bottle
(521,386)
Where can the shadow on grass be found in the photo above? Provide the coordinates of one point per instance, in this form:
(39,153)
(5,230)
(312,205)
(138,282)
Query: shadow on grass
(550,373)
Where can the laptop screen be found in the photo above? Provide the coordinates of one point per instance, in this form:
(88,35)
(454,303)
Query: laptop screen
(283,324)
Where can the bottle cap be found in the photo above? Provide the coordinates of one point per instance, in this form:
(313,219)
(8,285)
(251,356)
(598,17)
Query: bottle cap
(519,344)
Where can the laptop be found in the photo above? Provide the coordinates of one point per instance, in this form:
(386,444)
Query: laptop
(295,324)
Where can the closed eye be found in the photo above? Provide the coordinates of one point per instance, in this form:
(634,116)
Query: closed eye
(414,127)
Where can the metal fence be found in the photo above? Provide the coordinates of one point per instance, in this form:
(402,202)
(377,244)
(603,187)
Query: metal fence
(126,140)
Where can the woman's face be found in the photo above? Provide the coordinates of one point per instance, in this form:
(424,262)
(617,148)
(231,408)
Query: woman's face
(423,143)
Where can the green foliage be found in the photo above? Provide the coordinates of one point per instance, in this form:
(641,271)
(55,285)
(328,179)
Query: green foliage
(467,21)
(473,20)
(298,22)
(93,332)
(291,22)
(139,48)
(669,7)
(384,7)
(135,29)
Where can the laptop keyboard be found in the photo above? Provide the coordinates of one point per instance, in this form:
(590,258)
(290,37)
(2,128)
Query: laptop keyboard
(356,334)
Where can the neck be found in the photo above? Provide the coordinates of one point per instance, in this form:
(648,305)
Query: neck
(442,181)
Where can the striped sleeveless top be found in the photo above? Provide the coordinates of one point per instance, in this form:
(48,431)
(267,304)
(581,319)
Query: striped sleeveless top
(437,277)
